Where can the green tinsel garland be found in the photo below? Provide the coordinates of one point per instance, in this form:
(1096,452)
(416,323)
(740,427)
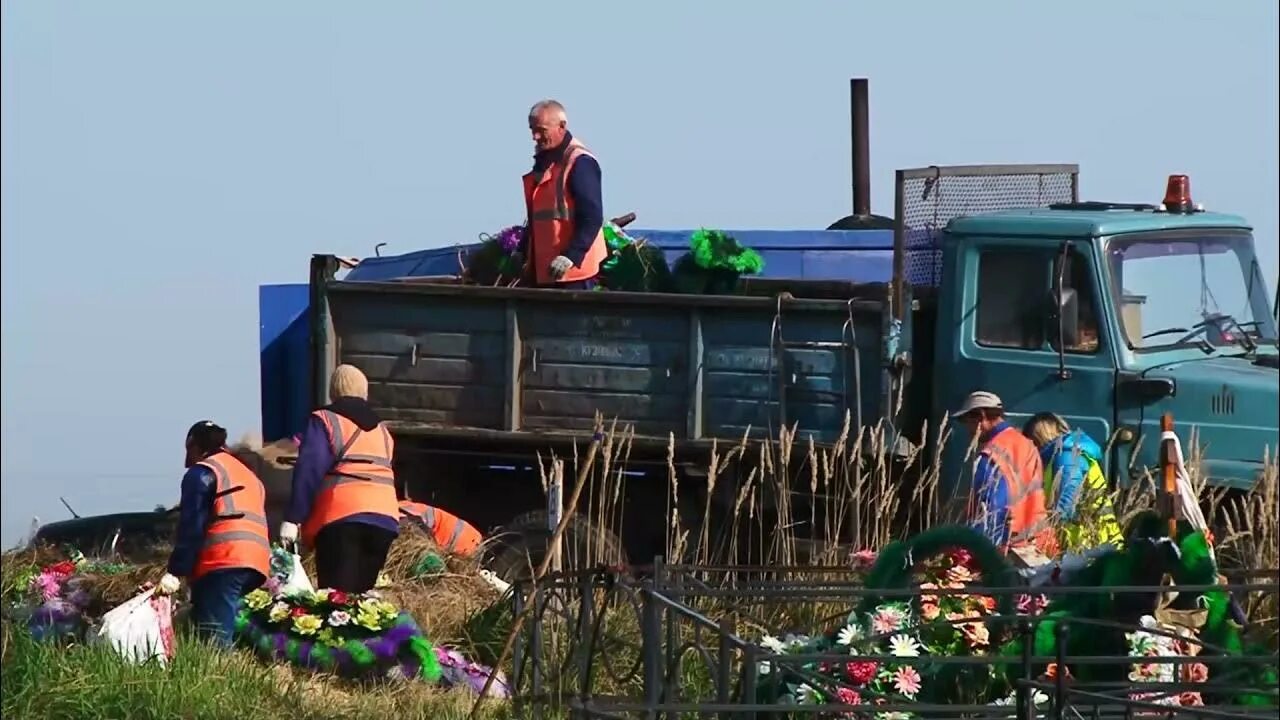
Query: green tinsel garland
(714,264)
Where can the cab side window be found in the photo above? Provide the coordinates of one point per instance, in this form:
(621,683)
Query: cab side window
(1077,278)
(1013,296)
(1012,286)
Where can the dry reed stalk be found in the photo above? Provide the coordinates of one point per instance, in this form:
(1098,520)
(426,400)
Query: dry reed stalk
(584,473)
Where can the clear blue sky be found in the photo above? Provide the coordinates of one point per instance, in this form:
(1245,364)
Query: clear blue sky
(161,160)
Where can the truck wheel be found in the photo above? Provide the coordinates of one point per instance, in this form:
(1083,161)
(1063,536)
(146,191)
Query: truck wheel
(519,547)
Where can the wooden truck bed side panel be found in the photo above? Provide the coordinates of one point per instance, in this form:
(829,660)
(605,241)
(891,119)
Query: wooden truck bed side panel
(521,362)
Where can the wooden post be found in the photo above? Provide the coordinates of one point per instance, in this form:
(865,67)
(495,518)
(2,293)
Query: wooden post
(555,510)
(1169,474)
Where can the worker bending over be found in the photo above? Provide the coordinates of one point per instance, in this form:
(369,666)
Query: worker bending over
(221,545)
(344,495)
(1007,500)
(451,533)
(564,239)
(1073,482)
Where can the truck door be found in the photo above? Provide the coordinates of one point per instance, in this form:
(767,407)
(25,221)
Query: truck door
(1002,337)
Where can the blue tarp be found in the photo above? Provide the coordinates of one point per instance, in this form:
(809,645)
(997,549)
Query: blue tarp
(853,255)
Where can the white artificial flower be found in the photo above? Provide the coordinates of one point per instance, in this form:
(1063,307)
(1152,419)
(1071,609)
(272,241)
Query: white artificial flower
(849,635)
(772,644)
(806,695)
(904,646)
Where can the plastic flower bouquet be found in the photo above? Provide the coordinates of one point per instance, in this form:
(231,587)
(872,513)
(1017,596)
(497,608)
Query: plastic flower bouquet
(494,262)
(1152,642)
(57,599)
(942,621)
(351,635)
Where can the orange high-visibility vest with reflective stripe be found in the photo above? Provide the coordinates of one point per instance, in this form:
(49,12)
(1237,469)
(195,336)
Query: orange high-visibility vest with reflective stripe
(551,226)
(361,480)
(237,534)
(451,533)
(1018,460)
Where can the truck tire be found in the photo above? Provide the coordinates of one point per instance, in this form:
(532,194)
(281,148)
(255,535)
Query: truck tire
(518,548)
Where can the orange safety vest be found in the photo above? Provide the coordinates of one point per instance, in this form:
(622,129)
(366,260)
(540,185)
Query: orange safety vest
(550,208)
(1018,460)
(237,536)
(451,533)
(361,480)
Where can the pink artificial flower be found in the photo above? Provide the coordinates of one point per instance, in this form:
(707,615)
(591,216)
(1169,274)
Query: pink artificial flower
(862,559)
(907,681)
(929,611)
(976,633)
(1190,699)
(885,621)
(1031,604)
(48,585)
(1196,672)
(928,597)
(959,575)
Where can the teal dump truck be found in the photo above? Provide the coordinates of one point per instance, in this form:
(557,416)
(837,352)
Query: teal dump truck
(990,277)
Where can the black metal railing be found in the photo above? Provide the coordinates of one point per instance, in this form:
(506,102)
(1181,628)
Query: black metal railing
(670,641)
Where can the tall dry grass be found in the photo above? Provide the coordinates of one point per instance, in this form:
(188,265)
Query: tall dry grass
(792,502)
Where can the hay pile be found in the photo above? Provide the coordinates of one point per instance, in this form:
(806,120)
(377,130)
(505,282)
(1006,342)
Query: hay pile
(442,603)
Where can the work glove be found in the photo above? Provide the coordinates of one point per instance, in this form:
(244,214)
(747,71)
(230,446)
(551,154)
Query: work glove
(288,533)
(559,266)
(169,584)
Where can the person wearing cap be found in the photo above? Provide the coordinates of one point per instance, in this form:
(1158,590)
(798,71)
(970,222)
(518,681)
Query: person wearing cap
(222,546)
(344,504)
(1007,496)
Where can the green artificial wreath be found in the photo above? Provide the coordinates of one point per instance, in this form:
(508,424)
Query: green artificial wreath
(714,263)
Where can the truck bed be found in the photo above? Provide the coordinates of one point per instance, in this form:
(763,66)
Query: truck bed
(465,362)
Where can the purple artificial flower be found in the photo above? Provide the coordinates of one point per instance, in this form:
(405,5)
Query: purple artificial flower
(509,239)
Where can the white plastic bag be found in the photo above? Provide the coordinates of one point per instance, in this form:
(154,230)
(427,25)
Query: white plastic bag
(140,629)
(296,581)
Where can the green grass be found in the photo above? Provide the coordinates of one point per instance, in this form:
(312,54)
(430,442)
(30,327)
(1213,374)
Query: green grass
(42,680)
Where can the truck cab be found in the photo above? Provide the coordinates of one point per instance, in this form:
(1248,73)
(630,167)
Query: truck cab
(1111,315)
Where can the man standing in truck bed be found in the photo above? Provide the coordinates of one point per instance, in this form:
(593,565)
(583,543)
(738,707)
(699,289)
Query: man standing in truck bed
(564,241)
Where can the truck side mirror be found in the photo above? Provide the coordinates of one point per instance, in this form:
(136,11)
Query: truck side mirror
(1064,317)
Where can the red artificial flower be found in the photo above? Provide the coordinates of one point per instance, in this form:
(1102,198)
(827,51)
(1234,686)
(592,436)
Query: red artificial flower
(1190,699)
(960,556)
(861,672)
(337,597)
(298,611)
(66,567)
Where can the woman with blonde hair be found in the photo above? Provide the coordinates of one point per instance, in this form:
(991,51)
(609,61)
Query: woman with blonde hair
(344,496)
(1073,480)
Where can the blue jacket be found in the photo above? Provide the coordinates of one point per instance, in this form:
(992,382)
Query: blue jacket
(1066,460)
(588,204)
(991,488)
(194,514)
(316,459)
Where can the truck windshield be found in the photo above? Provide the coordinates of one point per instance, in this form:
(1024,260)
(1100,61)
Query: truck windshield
(1190,289)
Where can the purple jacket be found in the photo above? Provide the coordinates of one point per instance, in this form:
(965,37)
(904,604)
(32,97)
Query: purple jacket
(316,459)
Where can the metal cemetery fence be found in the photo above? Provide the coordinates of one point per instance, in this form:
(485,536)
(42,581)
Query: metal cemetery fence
(671,641)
